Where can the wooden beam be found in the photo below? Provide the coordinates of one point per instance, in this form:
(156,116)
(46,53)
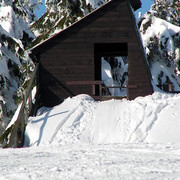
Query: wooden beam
(98,83)
(83,82)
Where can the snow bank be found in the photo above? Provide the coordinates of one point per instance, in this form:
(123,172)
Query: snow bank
(152,119)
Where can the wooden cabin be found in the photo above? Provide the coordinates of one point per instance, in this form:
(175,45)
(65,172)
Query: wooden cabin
(70,61)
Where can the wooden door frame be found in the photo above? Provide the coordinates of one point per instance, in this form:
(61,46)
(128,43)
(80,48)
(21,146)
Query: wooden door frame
(107,49)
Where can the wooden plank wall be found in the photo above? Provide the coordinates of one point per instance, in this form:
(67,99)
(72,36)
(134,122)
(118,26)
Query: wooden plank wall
(69,56)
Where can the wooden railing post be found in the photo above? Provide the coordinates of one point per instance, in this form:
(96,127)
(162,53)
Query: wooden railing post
(93,89)
(100,90)
(127,90)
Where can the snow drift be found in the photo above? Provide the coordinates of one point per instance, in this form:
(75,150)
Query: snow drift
(152,119)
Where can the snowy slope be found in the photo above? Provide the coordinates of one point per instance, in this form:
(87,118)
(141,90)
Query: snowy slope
(152,119)
(85,139)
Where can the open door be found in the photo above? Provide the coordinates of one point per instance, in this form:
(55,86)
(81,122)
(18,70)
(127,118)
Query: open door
(114,75)
(111,67)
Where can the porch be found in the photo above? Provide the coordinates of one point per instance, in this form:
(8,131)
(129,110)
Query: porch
(100,91)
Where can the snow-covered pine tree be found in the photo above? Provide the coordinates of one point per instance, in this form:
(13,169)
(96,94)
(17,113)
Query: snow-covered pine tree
(15,64)
(160,32)
(168,10)
(61,14)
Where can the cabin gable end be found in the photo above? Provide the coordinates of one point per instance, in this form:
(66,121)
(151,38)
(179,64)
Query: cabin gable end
(70,62)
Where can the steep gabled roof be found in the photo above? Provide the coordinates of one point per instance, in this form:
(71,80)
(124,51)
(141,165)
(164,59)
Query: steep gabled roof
(136,4)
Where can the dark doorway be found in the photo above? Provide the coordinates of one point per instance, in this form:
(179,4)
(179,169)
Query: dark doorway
(111,67)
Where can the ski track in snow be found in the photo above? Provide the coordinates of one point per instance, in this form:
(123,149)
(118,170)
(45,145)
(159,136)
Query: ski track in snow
(64,121)
(148,120)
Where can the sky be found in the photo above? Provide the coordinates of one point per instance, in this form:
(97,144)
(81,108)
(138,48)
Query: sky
(42,10)
(146,4)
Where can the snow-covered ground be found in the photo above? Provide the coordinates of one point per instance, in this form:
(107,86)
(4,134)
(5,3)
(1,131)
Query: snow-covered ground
(85,139)
(152,119)
(87,161)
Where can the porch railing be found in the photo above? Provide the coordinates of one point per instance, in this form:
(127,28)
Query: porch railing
(99,86)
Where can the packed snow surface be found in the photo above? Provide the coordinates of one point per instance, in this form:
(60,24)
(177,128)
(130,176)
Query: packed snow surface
(80,162)
(85,139)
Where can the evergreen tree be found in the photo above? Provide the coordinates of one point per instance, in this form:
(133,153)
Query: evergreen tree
(168,10)
(15,63)
(161,39)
